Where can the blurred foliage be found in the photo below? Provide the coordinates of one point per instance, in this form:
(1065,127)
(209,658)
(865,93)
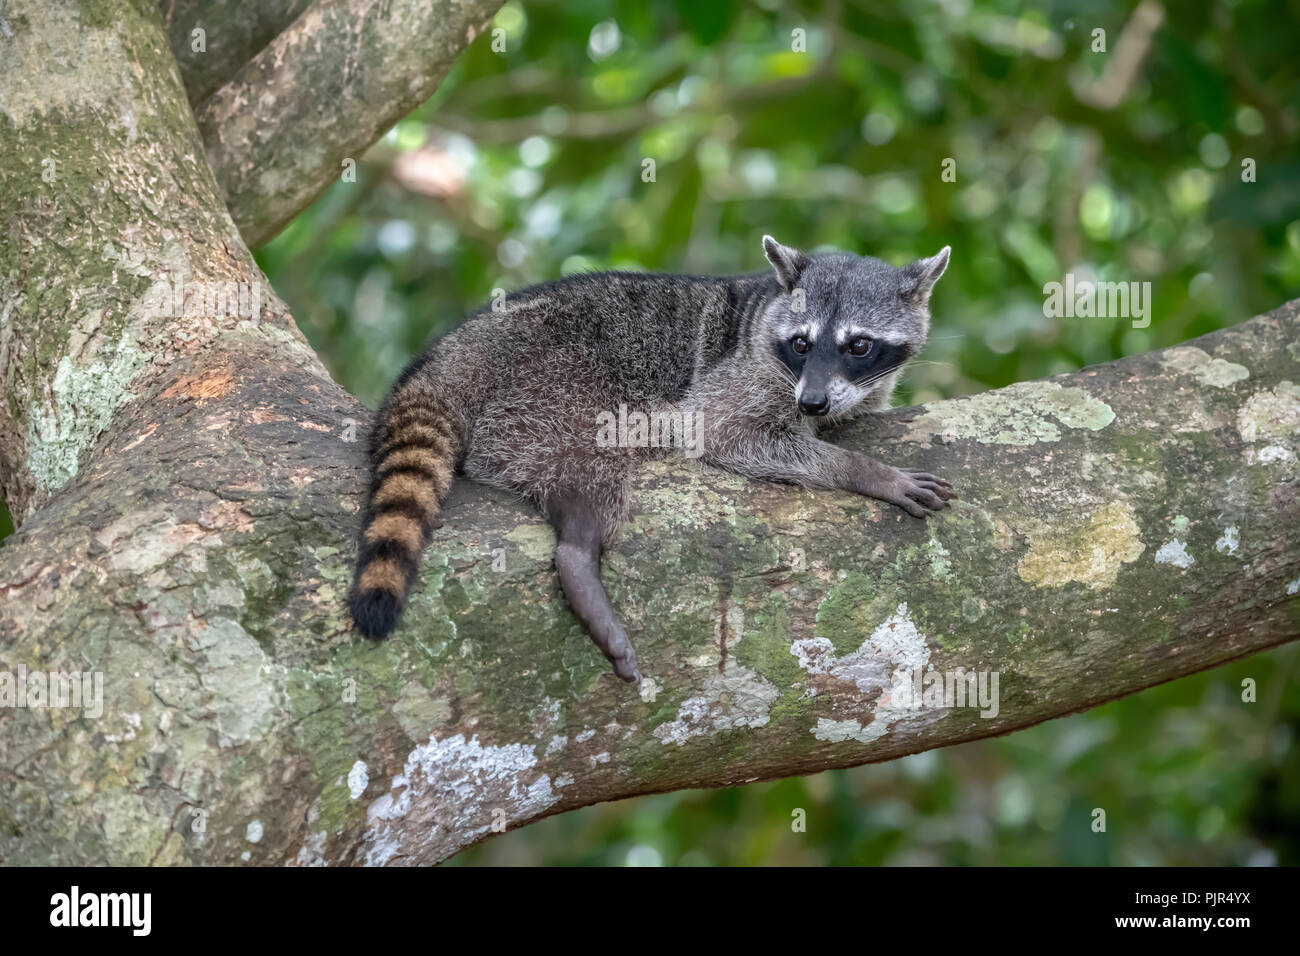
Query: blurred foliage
(528,164)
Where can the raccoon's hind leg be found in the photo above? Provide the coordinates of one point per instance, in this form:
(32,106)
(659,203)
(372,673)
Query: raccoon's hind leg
(582,526)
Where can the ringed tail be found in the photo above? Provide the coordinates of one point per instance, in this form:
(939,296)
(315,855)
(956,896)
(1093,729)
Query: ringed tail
(413,452)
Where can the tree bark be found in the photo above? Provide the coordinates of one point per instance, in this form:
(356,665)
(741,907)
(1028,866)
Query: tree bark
(335,80)
(233,32)
(190,483)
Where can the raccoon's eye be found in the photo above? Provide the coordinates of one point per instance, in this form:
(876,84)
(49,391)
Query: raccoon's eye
(799,344)
(860,346)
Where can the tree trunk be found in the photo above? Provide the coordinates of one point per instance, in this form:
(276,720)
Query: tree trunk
(189,487)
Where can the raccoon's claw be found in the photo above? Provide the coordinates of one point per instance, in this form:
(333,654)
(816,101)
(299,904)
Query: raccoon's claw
(926,476)
(921,494)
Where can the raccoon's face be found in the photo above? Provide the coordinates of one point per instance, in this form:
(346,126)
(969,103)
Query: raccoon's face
(846,324)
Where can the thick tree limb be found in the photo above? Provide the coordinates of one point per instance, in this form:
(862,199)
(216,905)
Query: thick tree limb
(234,31)
(323,90)
(188,537)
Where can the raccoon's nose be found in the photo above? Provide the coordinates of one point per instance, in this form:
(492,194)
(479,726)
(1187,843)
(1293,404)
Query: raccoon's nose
(814,404)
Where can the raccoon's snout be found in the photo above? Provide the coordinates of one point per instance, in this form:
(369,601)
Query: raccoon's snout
(813,396)
(811,403)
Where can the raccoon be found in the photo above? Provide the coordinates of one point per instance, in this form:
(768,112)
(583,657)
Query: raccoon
(516,395)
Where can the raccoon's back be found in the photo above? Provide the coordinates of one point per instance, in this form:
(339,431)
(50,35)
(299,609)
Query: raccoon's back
(642,331)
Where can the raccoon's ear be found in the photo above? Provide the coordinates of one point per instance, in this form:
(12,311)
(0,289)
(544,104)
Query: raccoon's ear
(788,263)
(920,276)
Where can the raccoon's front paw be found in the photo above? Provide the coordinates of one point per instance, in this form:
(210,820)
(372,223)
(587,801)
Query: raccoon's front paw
(919,493)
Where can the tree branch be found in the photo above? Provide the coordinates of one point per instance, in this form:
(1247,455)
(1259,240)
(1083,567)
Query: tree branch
(322,91)
(235,31)
(1120,526)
